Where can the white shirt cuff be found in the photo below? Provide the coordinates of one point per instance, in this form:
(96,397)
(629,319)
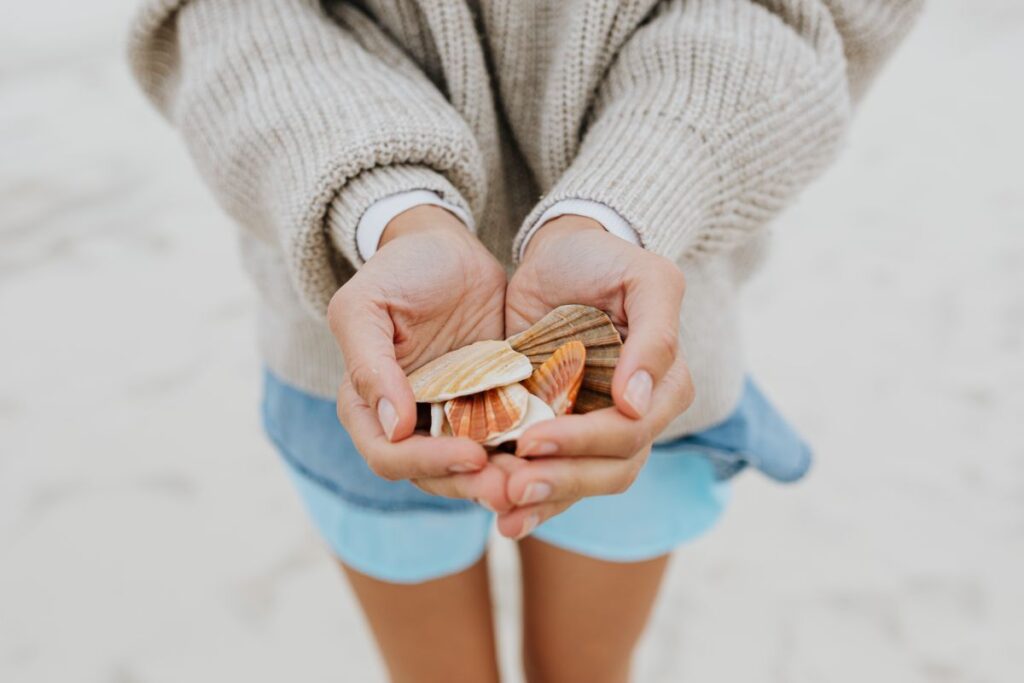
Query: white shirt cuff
(608,217)
(376,218)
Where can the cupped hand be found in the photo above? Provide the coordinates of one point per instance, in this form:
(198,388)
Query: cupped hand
(573,260)
(431,287)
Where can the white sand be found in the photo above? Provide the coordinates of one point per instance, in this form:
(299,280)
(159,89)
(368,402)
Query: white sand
(147,533)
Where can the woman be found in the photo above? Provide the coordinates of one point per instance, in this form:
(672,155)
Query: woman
(384,160)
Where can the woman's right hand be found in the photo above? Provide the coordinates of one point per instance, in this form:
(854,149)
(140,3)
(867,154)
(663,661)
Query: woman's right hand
(431,287)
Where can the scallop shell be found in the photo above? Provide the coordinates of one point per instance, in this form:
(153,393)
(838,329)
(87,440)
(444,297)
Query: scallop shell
(580,323)
(469,370)
(557,381)
(487,414)
(589,399)
(536,411)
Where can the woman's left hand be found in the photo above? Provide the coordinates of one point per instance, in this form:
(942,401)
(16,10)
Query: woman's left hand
(572,259)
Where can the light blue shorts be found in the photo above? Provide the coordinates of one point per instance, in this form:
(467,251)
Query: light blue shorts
(395,532)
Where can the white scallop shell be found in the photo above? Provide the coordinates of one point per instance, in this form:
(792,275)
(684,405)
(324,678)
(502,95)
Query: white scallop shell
(469,370)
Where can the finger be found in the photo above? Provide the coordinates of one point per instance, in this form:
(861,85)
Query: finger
(365,334)
(415,457)
(674,394)
(652,300)
(520,522)
(507,463)
(487,487)
(564,480)
(606,432)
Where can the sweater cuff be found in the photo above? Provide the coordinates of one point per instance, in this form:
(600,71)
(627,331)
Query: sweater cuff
(608,217)
(657,173)
(362,197)
(376,218)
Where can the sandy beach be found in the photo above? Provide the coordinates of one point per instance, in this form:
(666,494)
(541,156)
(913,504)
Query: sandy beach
(148,535)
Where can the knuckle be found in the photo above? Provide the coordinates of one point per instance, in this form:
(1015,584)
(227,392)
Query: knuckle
(678,387)
(363,380)
(639,440)
(618,486)
(571,489)
(629,475)
(622,484)
(683,389)
(666,340)
(382,468)
(343,405)
(688,393)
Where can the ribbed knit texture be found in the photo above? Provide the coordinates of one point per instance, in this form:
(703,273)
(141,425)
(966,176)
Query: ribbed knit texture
(696,120)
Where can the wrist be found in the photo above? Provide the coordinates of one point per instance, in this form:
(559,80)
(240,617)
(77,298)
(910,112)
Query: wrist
(420,219)
(557,227)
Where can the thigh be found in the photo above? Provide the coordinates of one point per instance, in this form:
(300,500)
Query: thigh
(415,561)
(439,630)
(582,617)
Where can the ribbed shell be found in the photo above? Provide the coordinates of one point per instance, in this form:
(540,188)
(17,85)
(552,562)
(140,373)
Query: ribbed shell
(469,370)
(487,414)
(557,381)
(536,411)
(581,323)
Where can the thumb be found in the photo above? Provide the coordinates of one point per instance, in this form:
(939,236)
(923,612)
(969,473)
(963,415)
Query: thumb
(365,333)
(653,298)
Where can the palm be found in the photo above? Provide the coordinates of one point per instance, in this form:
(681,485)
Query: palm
(576,268)
(446,296)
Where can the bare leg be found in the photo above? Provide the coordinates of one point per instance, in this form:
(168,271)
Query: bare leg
(582,617)
(440,630)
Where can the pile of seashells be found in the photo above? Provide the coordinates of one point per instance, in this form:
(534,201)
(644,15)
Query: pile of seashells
(492,391)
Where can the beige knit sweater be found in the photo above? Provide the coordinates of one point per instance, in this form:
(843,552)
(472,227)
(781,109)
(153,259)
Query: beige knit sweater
(695,120)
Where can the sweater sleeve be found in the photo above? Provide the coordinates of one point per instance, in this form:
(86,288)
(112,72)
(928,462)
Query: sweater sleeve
(715,113)
(300,121)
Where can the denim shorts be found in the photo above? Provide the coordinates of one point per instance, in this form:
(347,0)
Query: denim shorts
(395,532)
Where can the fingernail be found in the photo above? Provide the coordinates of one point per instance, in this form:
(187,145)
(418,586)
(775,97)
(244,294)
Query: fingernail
(537,448)
(387,416)
(464,467)
(485,505)
(529,525)
(535,492)
(638,391)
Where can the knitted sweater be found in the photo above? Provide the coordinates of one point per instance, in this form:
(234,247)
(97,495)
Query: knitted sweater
(697,121)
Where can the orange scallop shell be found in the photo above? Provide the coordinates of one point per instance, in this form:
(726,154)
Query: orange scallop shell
(557,381)
(536,411)
(484,415)
(575,322)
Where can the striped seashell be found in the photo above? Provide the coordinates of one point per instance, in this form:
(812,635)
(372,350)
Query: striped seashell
(469,370)
(557,381)
(580,323)
(536,411)
(588,400)
(487,414)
